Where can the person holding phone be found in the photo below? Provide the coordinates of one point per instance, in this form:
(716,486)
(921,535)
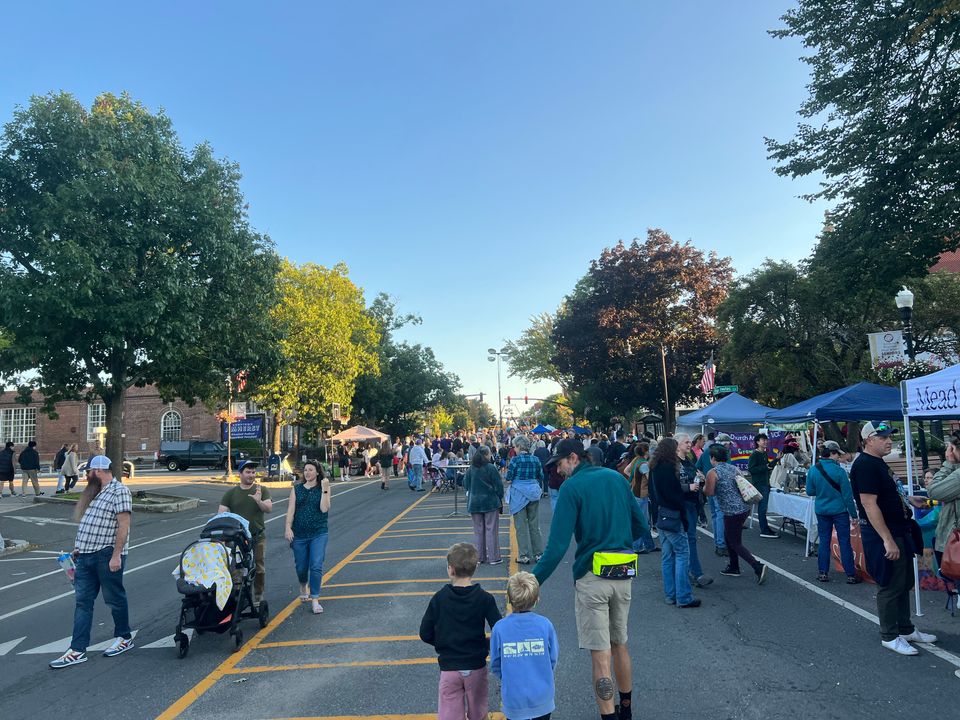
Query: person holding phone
(250,501)
(306,531)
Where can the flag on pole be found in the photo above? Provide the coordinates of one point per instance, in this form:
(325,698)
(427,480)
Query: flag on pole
(241,381)
(706,382)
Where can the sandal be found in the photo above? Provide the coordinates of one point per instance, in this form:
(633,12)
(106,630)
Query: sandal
(317,607)
(823,577)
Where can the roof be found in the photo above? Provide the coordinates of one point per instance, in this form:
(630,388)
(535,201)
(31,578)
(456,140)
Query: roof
(732,409)
(948,261)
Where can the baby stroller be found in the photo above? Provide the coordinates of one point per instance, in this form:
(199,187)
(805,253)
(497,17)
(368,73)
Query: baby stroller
(198,606)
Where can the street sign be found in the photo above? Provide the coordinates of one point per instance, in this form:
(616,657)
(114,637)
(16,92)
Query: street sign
(238,410)
(335,411)
(721,389)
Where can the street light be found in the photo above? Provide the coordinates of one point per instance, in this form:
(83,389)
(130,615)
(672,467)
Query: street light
(904,300)
(494,355)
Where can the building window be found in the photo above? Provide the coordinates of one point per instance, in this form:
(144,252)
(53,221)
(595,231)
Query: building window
(18,425)
(170,425)
(96,417)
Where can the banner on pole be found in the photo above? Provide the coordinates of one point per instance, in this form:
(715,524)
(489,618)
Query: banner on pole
(250,428)
(887,347)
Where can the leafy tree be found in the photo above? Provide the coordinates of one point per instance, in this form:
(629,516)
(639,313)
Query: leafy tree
(881,129)
(552,413)
(125,260)
(329,340)
(411,379)
(634,301)
(480,413)
(531,356)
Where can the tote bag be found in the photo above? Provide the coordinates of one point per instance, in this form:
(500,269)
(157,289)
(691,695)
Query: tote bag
(950,566)
(748,492)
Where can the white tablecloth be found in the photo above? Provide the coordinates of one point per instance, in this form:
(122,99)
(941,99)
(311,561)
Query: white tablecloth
(796,507)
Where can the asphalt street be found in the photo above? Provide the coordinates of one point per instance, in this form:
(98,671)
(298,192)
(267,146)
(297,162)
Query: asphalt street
(791,648)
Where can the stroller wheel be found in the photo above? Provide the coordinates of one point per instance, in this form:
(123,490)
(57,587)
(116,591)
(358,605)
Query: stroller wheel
(183,645)
(238,638)
(263,615)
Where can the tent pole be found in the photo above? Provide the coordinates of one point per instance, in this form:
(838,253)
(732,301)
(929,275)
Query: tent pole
(908,437)
(813,450)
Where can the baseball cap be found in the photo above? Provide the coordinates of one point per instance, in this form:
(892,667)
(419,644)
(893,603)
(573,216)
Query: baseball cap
(245,464)
(99,462)
(832,446)
(564,449)
(883,429)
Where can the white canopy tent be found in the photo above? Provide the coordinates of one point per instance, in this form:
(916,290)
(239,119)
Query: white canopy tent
(931,396)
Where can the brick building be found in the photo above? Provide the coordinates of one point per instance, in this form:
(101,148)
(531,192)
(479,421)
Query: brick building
(148,420)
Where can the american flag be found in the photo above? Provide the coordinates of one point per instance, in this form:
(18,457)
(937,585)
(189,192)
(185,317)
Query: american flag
(242,380)
(706,382)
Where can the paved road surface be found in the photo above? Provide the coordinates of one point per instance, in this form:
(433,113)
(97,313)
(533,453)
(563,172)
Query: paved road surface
(788,649)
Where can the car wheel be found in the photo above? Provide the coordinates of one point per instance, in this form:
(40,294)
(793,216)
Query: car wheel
(173,465)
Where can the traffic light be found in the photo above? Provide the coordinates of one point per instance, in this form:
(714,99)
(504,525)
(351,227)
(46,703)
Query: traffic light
(481,397)
(526,400)
(508,399)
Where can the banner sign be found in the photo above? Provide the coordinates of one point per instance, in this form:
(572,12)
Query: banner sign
(887,347)
(743,446)
(249,429)
(934,395)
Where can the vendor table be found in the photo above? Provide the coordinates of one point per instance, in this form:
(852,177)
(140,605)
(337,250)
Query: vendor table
(798,508)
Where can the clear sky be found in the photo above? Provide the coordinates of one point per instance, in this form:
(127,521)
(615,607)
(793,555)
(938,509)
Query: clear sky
(468,158)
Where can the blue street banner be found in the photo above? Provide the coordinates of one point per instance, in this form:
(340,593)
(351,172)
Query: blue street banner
(249,429)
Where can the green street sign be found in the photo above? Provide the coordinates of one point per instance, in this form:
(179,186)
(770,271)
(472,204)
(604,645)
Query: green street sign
(721,389)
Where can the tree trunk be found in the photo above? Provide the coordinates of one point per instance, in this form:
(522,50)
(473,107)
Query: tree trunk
(115,405)
(277,427)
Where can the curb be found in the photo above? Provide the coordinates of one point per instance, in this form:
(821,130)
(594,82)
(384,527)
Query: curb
(18,546)
(179,504)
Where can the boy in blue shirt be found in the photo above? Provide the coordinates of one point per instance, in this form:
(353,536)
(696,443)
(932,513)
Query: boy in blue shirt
(523,654)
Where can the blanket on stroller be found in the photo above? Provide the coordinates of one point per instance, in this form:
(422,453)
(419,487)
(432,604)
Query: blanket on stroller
(206,563)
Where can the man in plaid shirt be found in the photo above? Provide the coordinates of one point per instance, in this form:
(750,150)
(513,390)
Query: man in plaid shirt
(100,552)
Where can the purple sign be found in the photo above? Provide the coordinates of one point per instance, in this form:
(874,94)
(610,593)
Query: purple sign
(743,446)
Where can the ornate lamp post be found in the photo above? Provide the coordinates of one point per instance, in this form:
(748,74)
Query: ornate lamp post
(904,300)
(494,355)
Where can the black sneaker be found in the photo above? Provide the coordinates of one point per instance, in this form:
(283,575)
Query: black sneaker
(761,574)
(769,534)
(823,577)
(730,572)
(695,603)
(722,552)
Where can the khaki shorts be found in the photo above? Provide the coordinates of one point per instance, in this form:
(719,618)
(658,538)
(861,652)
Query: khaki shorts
(602,608)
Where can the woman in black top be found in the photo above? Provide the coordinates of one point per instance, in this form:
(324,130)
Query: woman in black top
(672,524)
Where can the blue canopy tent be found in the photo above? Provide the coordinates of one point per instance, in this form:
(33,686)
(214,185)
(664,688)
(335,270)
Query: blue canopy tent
(577,430)
(541,429)
(732,409)
(862,401)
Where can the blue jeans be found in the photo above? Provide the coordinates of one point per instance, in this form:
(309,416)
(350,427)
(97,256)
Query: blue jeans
(825,527)
(716,516)
(415,478)
(692,517)
(645,542)
(762,507)
(308,555)
(93,574)
(554,493)
(676,567)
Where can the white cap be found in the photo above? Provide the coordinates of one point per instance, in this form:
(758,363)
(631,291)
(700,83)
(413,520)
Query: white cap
(99,462)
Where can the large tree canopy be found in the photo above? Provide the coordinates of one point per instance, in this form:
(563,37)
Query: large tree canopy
(531,355)
(329,340)
(124,259)
(635,300)
(882,130)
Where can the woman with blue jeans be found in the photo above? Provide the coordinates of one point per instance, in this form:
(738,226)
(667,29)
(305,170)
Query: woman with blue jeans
(307,512)
(672,523)
(639,473)
(828,482)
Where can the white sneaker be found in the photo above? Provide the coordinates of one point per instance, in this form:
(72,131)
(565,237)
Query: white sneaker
(70,657)
(920,637)
(120,645)
(901,646)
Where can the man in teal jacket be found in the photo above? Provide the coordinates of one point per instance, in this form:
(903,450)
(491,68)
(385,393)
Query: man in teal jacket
(597,507)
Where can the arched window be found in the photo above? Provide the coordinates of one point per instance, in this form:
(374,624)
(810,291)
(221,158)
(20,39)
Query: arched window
(170,425)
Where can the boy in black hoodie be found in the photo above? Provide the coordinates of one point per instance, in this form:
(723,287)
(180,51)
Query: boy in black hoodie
(455,624)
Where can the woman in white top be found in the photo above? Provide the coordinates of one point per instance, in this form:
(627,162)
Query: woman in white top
(70,470)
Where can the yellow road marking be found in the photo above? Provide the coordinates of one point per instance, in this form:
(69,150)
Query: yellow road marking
(228,665)
(429,519)
(429,716)
(409,557)
(428,593)
(401,582)
(403,550)
(338,641)
(321,666)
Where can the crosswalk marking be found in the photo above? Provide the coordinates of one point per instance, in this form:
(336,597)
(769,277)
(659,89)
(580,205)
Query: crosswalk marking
(8,646)
(58,646)
(168,641)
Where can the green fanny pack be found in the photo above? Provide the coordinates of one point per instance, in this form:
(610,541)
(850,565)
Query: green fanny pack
(615,564)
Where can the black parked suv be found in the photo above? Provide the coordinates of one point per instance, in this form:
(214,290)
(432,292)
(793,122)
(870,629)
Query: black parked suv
(196,453)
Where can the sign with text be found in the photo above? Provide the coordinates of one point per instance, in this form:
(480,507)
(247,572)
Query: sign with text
(743,446)
(887,347)
(722,389)
(250,428)
(937,394)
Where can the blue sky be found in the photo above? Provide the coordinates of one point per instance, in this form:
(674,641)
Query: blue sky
(468,158)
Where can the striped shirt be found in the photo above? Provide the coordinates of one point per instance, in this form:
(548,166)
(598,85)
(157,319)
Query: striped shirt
(98,526)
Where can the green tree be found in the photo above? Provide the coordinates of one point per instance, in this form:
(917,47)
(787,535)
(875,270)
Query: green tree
(531,356)
(551,412)
(329,340)
(880,128)
(125,260)
(634,303)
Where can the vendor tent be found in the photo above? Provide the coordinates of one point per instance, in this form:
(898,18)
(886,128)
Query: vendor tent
(542,429)
(862,401)
(732,409)
(359,433)
(577,430)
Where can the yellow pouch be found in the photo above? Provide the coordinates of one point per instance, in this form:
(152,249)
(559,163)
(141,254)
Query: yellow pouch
(615,564)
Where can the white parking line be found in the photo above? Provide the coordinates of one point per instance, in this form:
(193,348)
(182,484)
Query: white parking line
(139,567)
(856,609)
(165,537)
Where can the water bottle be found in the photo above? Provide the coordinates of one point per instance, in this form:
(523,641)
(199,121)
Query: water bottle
(69,567)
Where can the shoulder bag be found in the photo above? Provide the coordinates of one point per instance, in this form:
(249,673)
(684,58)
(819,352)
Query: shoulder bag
(748,492)
(829,479)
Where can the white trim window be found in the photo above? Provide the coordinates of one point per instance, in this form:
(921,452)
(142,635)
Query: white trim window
(96,417)
(18,425)
(171,424)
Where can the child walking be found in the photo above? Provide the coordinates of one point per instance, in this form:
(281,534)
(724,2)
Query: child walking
(455,624)
(523,654)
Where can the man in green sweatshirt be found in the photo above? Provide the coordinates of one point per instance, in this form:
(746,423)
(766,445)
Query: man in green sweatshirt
(597,507)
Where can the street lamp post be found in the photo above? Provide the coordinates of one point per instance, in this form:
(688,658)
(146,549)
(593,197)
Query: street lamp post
(904,300)
(494,355)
